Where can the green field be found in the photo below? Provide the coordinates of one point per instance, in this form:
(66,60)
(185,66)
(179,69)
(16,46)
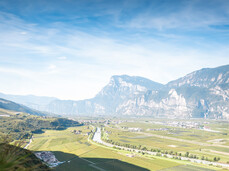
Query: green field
(172,138)
(188,134)
(86,155)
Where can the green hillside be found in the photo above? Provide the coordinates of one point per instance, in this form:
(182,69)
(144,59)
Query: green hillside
(19,125)
(14,158)
(9,105)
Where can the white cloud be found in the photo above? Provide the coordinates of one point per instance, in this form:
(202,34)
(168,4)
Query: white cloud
(72,64)
(15,71)
(62,57)
(193,15)
(51,67)
(23,32)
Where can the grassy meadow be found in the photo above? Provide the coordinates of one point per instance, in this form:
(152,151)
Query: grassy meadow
(83,154)
(196,142)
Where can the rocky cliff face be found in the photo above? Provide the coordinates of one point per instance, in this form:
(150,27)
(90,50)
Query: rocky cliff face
(207,77)
(156,104)
(117,91)
(200,94)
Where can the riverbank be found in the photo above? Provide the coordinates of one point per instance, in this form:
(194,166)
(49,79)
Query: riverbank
(97,138)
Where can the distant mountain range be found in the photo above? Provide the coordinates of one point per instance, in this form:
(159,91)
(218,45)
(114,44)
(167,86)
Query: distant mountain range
(9,105)
(35,102)
(200,94)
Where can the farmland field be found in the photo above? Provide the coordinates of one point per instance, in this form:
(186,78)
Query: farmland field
(181,140)
(83,154)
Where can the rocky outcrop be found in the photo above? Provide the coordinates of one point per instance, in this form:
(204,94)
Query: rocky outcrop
(200,94)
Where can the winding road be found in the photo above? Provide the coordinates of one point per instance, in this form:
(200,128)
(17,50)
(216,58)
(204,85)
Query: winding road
(30,141)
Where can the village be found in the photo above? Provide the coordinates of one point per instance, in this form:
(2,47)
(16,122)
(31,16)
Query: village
(48,158)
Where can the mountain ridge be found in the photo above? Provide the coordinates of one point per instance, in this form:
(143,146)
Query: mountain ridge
(9,105)
(31,101)
(205,77)
(201,94)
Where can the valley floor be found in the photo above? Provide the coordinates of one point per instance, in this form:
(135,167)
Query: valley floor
(73,147)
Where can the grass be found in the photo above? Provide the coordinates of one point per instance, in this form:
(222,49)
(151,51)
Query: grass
(117,134)
(68,146)
(188,134)
(186,168)
(127,137)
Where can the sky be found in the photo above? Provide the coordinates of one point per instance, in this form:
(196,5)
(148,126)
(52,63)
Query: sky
(69,49)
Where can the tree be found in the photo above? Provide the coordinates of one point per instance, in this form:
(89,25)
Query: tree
(144,148)
(187,154)
(158,154)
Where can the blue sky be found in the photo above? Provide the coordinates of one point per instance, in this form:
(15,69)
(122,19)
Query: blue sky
(70,48)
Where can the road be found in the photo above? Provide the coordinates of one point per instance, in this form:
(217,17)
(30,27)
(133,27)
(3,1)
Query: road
(98,139)
(30,141)
(178,139)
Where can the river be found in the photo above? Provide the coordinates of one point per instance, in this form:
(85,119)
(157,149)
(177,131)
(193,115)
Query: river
(97,136)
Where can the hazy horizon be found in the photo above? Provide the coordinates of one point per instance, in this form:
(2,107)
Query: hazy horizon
(96,92)
(70,49)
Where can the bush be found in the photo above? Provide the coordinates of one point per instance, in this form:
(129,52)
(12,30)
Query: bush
(15,158)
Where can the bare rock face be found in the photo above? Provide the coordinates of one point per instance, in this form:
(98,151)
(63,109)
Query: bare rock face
(200,94)
(173,105)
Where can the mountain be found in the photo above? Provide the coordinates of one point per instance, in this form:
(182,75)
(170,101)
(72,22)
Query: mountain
(9,105)
(35,102)
(207,90)
(122,88)
(200,94)
(207,77)
(118,90)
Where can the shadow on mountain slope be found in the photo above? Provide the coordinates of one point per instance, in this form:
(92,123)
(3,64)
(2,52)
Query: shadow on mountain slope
(75,163)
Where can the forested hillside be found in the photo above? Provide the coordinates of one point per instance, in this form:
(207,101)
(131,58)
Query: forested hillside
(19,125)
